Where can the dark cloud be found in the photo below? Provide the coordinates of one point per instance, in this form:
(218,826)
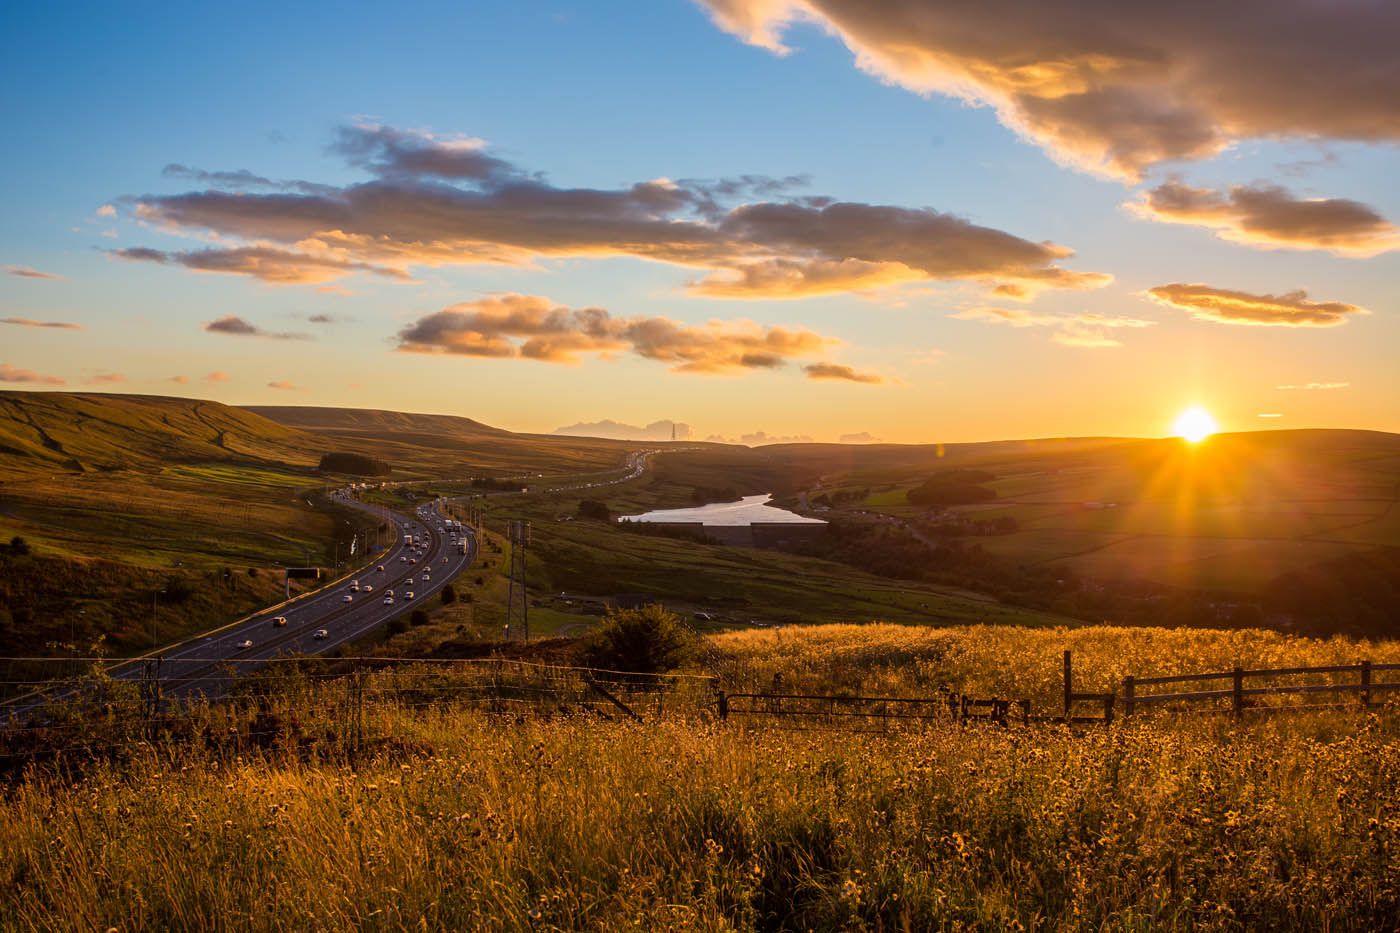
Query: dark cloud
(234,325)
(1119,87)
(30,322)
(25,272)
(839,372)
(1225,306)
(531,327)
(10,373)
(436,202)
(1270,216)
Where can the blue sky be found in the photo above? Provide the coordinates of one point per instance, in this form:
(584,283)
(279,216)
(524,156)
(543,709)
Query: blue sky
(608,95)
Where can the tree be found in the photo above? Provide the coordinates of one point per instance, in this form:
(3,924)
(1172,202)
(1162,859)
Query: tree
(19,546)
(592,508)
(398,626)
(417,617)
(449,595)
(645,641)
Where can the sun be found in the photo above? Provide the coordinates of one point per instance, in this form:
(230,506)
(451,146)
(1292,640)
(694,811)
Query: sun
(1195,424)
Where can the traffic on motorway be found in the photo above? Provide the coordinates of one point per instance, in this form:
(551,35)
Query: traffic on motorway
(428,552)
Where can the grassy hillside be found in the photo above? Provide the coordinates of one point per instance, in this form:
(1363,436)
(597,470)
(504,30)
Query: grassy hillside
(51,432)
(447,445)
(451,816)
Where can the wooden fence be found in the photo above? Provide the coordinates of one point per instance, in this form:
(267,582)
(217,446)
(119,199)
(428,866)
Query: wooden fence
(1243,699)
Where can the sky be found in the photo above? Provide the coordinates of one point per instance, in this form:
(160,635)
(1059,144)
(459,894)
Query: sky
(906,221)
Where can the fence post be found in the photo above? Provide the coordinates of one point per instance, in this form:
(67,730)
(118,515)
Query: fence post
(1239,691)
(723,706)
(1129,697)
(1108,699)
(1365,684)
(1068,686)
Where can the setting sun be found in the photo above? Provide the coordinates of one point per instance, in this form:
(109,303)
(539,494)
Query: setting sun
(1195,424)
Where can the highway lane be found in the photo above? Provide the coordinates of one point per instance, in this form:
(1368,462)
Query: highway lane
(204,665)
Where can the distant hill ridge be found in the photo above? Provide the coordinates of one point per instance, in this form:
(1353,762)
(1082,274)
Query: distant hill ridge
(310,417)
(45,432)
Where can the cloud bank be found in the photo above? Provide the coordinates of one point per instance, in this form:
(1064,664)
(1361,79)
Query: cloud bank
(1270,216)
(434,202)
(30,322)
(1226,306)
(10,373)
(234,325)
(1120,87)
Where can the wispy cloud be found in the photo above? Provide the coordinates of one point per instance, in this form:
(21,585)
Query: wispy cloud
(1271,217)
(1086,329)
(1317,385)
(1122,88)
(234,325)
(30,322)
(535,328)
(107,378)
(282,384)
(25,272)
(269,263)
(10,373)
(1227,306)
(179,380)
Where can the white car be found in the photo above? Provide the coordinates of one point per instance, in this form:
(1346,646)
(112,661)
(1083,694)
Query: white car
(245,643)
(388,600)
(321,634)
(368,588)
(279,621)
(409,581)
(348,598)
(408,595)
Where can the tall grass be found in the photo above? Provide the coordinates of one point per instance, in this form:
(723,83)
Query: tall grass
(459,818)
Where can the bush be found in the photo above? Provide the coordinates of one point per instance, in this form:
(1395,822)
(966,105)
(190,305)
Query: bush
(19,546)
(644,641)
(417,617)
(449,595)
(398,626)
(592,508)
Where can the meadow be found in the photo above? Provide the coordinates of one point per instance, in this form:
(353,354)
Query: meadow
(445,815)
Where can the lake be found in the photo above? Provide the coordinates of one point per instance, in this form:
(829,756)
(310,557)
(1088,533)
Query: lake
(746,511)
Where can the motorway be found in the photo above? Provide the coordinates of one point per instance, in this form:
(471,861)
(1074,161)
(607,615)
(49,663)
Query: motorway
(205,665)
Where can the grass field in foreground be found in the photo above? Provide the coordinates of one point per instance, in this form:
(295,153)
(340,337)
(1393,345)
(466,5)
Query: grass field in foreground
(461,819)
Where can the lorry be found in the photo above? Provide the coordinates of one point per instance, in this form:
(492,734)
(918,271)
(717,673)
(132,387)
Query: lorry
(408,539)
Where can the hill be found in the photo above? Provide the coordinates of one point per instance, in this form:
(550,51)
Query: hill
(47,432)
(437,445)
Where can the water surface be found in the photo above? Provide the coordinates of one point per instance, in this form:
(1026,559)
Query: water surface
(746,511)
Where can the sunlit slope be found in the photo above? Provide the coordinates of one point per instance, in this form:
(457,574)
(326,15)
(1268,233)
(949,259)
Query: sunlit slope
(63,432)
(1233,510)
(447,444)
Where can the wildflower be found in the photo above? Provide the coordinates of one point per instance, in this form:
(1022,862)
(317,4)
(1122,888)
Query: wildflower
(849,890)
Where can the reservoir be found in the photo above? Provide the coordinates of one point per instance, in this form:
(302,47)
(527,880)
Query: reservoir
(747,511)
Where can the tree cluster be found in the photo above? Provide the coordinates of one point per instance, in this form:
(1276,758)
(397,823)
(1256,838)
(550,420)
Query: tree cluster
(953,487)
(354,464)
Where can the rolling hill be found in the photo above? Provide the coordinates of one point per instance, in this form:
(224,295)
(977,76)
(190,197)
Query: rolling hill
(68,432)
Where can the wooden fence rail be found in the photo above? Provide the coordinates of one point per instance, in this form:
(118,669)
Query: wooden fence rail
(1365,686)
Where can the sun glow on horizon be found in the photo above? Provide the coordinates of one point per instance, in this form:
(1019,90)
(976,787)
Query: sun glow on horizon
(1195,424)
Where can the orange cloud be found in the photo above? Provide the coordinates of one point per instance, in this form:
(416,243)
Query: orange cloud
(1225,306)
(532,327)
(1270,216)
(283,384)
(435,203)
(30,322)
(181,380)
(1118,88)
(1317,385)
(216,376)
(839,372)
(10,373)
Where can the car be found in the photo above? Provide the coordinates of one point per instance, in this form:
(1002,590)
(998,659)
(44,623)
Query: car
(403,558)
(245,643)
(348,598)
(279,621)
(408,595)
(368,588)
(409,581)
(426,578)
(388,592)
(413,560)
(321,634)
(388,600)
(381,568)
(354,584)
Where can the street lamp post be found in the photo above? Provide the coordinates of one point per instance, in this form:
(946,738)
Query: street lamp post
(154,597)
